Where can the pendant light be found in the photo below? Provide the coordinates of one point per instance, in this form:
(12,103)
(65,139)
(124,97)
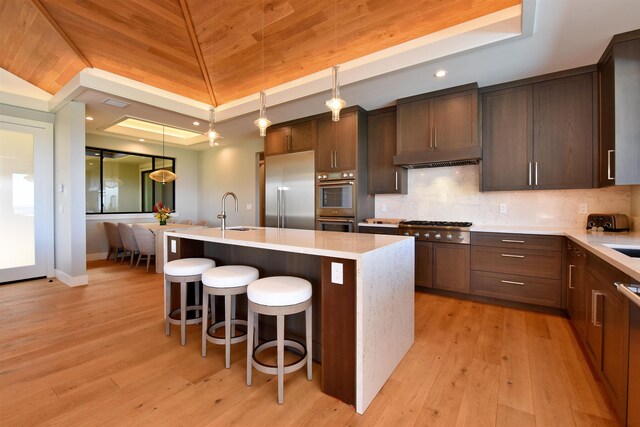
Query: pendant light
(335,104)
(263,123)
(212,134)
(163,175)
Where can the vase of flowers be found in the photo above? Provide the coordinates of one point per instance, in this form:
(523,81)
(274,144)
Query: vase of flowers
(162,213)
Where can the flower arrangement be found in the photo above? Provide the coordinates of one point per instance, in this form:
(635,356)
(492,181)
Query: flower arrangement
(161,213)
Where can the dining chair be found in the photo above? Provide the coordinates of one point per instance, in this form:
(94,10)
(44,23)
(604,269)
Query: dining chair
(171,221)
(185,221)
(128,241)
(115,242)
(146,241)
(203,223)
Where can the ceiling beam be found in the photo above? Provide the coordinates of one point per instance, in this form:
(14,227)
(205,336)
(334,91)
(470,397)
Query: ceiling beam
(196,48)
(61,32)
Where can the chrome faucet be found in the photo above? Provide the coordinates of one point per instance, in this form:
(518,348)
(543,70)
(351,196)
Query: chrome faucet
(223,215)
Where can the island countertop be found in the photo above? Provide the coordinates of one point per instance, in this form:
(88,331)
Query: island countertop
(312,242)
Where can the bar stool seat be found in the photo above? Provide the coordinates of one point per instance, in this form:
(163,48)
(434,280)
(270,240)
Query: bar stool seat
(279,296)
(227,281)
(184,271)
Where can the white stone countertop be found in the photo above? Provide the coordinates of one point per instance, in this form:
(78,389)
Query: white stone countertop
(313,242)
(594,241)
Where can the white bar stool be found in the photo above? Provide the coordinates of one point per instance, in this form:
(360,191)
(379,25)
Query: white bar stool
(184,271)
(278,296)
(227,281)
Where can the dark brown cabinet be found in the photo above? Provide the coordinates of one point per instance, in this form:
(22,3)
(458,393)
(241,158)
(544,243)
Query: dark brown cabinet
(540,135)
(576,287)
(517,267)
(619,72)
(384,176)
(450,267)
(633,405)
(438,126)
(339,142)
(424,264)
(290,138)
(607,332)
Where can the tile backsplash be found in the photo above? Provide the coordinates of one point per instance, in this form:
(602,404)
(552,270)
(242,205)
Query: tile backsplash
(452,194)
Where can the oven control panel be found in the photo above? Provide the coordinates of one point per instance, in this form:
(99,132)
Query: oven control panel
(335,176)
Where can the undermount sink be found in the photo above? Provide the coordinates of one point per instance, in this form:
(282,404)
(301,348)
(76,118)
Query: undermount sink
(632,251)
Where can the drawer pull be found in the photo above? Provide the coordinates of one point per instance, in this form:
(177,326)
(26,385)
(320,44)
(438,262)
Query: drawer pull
(509,282)
(512,241)
(512,256)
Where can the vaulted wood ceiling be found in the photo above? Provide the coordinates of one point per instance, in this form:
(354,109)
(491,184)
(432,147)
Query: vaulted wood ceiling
(210,50)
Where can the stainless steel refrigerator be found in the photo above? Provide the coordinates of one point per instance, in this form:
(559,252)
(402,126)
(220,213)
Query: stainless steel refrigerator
(290,191)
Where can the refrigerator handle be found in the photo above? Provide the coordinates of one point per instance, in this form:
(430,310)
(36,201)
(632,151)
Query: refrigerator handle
(278,207)
(283,210)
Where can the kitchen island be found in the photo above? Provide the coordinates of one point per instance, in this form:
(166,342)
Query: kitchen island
(363,294)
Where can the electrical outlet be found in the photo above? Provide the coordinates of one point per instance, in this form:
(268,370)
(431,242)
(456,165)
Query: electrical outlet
(503,208)
(383,208)
(336,273)
(249,207)
(583,208)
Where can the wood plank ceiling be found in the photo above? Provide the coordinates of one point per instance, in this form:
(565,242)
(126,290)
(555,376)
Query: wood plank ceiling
(210,50)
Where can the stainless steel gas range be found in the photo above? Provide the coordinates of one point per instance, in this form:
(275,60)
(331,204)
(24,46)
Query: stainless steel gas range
(437,231)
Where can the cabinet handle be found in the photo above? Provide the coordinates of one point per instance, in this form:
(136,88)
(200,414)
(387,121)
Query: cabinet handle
(430,138)
(510,282)
(335,154)
(512,241)
(529,174)
(594,307)
(512,256)
(536,173)
(435,137)
(396,180)
(571,266)
(609,165)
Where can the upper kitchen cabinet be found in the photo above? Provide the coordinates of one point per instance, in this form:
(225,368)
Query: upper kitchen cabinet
(438,127)
(540,133)
(619,72)
(384,176)
(290,137)
(342,144)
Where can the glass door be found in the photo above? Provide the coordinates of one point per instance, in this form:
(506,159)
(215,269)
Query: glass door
(25,209)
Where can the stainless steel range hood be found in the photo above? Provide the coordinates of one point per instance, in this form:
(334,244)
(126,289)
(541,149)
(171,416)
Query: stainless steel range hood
(431,159)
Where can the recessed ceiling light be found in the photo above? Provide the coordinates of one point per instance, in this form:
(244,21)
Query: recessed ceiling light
(440,73)
(89,118)
(141,140)
(196,123)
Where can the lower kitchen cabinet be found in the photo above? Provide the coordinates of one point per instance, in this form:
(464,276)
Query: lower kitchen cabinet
(607,340)
(633,405)
(517,267)
(450,267)
(576,287)
(424,264)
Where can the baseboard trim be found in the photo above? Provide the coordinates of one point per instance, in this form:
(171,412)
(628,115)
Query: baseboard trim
(97,256)
(72,281)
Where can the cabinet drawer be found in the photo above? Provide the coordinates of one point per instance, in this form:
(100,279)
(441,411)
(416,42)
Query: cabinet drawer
(529,290)
(377,230)
(520,262)
(517,241)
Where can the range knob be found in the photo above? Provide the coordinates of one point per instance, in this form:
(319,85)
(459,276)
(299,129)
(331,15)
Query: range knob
(351,175)
(460,237)
(427,235)
(344,175)
(437,236)
(416,235)
(324,176)
(319,176)
(449,237)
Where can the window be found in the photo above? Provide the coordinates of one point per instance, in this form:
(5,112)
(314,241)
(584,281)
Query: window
(118,182)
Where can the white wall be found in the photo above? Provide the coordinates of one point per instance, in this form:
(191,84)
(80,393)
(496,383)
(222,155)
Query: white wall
(452,194)
(230,168)
(186,207)
(70,233)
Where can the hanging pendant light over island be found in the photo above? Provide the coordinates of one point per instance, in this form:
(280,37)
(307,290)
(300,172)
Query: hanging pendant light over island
(163,175)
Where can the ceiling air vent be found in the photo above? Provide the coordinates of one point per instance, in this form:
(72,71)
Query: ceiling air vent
(116,103)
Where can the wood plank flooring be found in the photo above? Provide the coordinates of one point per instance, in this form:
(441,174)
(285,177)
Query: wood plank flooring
(98,355)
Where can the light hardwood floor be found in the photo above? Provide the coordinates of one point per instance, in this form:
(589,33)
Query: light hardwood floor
(98,355)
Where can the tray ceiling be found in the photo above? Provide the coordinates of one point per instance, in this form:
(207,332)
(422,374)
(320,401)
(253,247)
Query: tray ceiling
(210,50)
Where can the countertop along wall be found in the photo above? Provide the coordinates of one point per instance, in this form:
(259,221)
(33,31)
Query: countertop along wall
(452,194)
